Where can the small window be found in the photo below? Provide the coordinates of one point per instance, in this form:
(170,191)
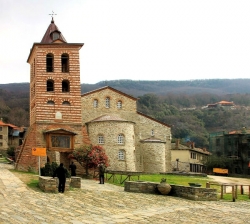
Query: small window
(66,103)
(49,62)
(121,155)
(193,155)
(65,86)
(50,102)
(119,104)
(152,132)
(120,139)
(95,103)
(100,139)
(1,128)
(107,102)
(55,36)
(65,62)
(50,85)
(1,137)
(1,144)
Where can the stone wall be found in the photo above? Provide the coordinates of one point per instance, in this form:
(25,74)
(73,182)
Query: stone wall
(49,184)
(110,130)
(192,193)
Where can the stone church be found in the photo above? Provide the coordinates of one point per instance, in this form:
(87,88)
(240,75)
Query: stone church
(61,119)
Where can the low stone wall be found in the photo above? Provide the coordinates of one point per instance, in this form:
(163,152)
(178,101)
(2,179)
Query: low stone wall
(75,182)
(49,184)
(192,193)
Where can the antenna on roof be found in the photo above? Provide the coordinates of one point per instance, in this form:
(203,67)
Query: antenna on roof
(52,15)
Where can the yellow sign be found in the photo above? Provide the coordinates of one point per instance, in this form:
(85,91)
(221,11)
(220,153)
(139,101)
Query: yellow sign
(39,151)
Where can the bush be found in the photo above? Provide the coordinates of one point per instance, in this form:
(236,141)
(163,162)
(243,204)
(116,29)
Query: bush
(49,169)
(11,152)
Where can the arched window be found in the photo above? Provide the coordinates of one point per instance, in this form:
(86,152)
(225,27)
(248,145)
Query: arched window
(121,154)
(66,103)
(50,102)
(50,85)
(119,104)
(65,62)
(107,102)
(65,86)
(152,132)
(50,62)
(95,103)
(120,139)
(100,139)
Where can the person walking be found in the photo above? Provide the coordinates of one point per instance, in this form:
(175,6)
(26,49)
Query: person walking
(72,168)
(101,173)
(60,172)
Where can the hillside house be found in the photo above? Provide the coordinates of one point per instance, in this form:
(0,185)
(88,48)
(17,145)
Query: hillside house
(61,119)
(188,158)
(10,136)
(222,104)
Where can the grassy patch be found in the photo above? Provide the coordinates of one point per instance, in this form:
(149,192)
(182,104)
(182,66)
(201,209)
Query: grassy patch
(3,160)
(171,179)
(33,184)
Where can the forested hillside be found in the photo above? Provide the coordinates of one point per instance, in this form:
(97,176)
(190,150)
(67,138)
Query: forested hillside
(177,103)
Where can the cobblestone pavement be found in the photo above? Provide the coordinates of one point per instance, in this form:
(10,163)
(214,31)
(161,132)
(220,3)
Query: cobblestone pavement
(96,203)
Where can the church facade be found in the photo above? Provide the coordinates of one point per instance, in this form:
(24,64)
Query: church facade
(61,119)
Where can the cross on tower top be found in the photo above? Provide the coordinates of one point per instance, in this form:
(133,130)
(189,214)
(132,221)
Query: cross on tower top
(52,15)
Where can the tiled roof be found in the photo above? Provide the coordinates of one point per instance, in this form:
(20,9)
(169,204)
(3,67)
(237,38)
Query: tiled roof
(2,123)
(53,128)
(47,38)
(9,125)
(184,147)
(225,102)
(153,119)
(108,87)
(153,139)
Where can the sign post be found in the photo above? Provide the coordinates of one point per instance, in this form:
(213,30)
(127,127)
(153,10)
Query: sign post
(39,152)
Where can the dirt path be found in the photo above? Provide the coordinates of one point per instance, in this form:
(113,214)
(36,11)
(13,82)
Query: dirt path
(231,180)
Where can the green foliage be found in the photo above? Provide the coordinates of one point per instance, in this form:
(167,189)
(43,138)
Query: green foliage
(215,161)
(33,184)
(49,170)
(11,152)
(90,156)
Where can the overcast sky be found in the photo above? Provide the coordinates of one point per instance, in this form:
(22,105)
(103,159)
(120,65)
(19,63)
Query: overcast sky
(133,39)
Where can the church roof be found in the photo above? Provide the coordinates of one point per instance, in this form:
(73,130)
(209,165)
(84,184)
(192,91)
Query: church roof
(47,38)
(153,139)
(109,87)
(55,128)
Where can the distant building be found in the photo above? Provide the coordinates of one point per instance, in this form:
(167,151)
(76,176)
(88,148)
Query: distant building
(188,158)
(10,135)
(234,145)
(222,104)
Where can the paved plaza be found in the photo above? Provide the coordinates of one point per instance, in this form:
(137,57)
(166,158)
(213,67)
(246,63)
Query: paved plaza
(96,203)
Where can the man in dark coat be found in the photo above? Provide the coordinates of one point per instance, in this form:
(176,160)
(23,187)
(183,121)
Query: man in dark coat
(72,168)
(60,172)
(101,173)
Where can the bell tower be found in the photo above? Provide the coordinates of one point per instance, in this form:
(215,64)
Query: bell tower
(55,99)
